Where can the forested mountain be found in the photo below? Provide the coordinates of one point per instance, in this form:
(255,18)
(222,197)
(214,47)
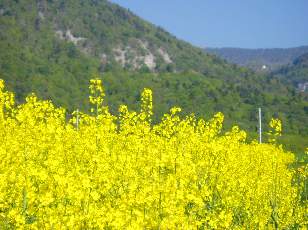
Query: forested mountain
(53,47)
(99,29)
(259,59)
(45,44)
(295,73)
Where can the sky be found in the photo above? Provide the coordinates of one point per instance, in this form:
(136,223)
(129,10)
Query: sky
(228,23)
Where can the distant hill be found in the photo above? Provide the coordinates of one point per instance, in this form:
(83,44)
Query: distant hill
(295,73)
(259,59)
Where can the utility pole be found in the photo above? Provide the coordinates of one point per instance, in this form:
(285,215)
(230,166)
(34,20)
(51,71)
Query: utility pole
(260,126)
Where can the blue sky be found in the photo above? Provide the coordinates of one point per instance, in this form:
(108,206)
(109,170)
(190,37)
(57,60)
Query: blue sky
(228,23)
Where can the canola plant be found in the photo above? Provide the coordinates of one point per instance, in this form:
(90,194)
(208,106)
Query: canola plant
(100,171)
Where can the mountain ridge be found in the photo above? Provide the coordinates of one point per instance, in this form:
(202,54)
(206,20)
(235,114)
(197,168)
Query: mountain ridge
(266,59)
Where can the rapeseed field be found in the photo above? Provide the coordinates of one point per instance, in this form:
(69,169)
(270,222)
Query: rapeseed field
(101,171)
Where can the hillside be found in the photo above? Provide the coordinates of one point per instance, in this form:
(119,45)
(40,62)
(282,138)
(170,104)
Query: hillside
(43,41)
(54,47)
(100,29)
(295,73)
(259,59)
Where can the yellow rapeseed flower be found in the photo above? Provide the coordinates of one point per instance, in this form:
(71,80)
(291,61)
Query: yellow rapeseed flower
(126,173)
